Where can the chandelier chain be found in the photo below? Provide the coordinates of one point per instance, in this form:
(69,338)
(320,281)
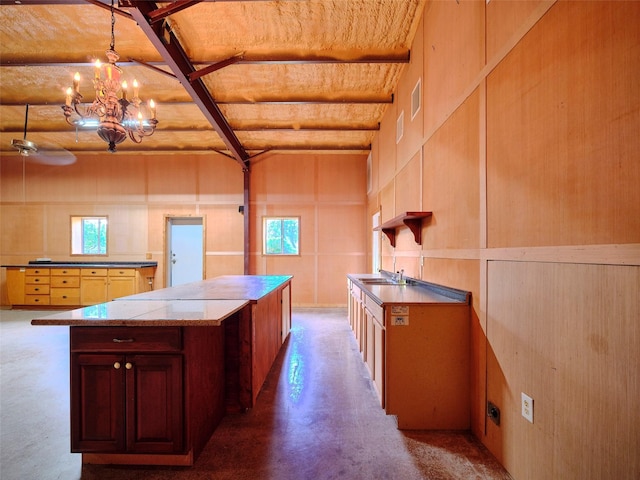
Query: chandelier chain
(113,24)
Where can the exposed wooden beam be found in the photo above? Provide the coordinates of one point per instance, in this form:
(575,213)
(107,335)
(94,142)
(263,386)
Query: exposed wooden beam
(247,59)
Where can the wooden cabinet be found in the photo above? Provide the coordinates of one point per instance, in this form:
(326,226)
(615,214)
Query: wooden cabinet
(121,282)
(93,288)
(65,286)
(123,400)
(101,285)
(417,356)
(36,286)
(375,349)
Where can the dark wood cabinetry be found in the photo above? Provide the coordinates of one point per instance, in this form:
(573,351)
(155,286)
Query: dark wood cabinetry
(125,401)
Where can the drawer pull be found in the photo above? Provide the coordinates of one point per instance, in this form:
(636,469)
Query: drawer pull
(64,281)
(123,340)
(116,365)
(128,366)
(37,289)
(37,279)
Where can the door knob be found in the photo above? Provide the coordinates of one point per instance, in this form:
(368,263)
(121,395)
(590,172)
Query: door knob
(128,366)
(116,365)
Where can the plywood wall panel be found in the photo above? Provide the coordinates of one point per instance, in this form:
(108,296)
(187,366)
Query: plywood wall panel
(387,146)
(341,229)
(505,18)
(551,330)
(453,56)
(220,180)
(224,228)
(121,178)
(387,202)
(342,178)
(451,180)
(408,188)
(171,179)
(12,183)
(23,230)
(217,265)
(284,178)
(412,78)
(563,111)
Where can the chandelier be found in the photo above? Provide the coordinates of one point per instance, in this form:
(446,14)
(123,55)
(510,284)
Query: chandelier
(117,116)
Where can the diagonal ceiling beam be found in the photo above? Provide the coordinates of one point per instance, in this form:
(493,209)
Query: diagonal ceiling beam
(172,52)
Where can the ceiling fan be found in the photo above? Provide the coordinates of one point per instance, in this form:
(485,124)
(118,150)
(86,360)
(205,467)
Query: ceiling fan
(46,154)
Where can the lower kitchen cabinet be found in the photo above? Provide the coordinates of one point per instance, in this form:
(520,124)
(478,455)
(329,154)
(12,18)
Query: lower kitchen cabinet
(138,392)
(127,403)
(417,352)
(79,285)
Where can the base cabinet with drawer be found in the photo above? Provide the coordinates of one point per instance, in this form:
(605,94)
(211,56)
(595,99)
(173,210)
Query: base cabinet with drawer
(81,286)
(132,392)
(418,357)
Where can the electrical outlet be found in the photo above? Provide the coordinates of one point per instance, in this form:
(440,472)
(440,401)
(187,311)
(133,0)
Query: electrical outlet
(527,407)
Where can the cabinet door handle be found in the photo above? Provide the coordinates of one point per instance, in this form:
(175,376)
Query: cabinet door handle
(128,366)
(123,340)
(116,365)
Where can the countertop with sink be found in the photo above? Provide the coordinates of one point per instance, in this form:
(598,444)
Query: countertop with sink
(386,290)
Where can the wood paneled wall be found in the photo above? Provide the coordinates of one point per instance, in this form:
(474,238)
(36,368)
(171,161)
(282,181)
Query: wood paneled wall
(328,193)
(529,156)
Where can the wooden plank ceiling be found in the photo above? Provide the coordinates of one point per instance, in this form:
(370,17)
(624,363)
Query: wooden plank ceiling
(237,76)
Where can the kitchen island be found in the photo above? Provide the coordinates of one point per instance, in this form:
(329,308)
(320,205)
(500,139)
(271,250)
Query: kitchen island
(152,378)
(414,338)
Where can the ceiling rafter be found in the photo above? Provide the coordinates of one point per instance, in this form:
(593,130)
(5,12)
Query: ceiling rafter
(163,12)
(245,59)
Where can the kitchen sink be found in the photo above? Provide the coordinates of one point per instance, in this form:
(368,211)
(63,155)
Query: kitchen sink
(377,281)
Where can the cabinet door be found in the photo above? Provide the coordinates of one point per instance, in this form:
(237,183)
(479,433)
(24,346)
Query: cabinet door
(121,287)
(367,353)
(93,290)
(97,403)
(154,408)
(379,361)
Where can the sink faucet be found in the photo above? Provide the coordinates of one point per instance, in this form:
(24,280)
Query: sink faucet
(401,277)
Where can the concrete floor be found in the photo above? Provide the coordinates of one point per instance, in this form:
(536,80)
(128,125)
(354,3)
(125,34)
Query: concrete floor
(317,417)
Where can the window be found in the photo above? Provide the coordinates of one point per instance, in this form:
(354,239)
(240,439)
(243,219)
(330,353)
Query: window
(280,235)
(89,235)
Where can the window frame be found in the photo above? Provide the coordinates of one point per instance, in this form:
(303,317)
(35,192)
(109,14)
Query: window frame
(78,238)
(282,218)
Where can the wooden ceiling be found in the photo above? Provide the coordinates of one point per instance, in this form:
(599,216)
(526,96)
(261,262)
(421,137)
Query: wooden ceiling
(236,76)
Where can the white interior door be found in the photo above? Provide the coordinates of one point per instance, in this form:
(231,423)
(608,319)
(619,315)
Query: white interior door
(185,252)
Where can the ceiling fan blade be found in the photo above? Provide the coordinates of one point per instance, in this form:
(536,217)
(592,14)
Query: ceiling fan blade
(45,154)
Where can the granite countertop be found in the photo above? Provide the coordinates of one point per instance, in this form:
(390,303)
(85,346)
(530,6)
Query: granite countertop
(414,292)
(70,264)
(152,313)
(227,287)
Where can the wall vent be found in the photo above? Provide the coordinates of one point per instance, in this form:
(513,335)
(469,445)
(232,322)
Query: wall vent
(416,99)
(400,127)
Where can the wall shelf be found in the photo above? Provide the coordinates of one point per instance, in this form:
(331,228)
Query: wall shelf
(413,220)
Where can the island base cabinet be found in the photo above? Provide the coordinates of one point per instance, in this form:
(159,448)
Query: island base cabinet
(145,395)
(127,403)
